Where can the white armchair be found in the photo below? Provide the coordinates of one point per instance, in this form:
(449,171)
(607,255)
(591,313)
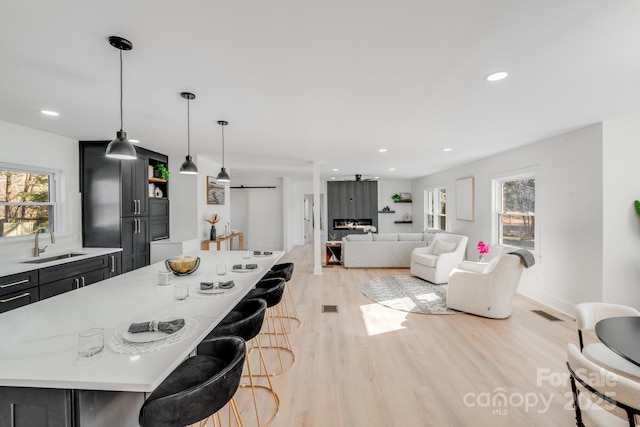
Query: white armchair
(435,262)
(485,289)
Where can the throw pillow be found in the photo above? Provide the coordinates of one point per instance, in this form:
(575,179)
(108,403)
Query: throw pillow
(442,247)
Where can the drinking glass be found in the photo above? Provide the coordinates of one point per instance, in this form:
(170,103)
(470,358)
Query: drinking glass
(246,254)
(181,291)
(221,269)
(90,342)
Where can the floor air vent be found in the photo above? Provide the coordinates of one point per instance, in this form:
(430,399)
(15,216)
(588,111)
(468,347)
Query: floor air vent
(329,308)
(547,316)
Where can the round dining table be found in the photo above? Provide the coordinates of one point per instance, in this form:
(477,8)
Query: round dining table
(622,335)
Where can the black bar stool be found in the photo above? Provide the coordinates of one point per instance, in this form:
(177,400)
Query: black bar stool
(199,387)
(285,271)
(245,321)
(272,290)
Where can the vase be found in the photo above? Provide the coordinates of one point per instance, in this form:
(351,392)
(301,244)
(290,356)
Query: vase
(212,234)
(481,258)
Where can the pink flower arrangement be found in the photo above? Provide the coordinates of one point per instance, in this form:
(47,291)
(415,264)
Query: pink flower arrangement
(483,248)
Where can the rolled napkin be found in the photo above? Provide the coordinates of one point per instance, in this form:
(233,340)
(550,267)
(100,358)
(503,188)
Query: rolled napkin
(206,286)
(226,285)
(267,253)
(169,327)
(257,253)
(244,267)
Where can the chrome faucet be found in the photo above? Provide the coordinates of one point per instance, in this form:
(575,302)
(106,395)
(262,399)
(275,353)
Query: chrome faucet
(37,251)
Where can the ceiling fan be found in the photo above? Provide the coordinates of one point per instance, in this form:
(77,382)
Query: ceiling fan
(359,177)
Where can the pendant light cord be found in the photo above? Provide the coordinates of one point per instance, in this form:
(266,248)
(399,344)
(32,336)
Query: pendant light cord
(222,146)
(188,129)
(121,119)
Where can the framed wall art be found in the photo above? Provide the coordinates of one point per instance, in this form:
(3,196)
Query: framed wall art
(464,199)
(215,192)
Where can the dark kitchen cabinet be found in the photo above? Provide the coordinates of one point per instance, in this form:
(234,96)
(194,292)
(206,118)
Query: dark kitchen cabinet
(66,277)
(135,243)
(158,219)
(135,187)
(115,264)
(119,206)
(17,290)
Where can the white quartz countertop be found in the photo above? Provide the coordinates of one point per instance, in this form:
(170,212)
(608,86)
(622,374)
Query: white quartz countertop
(22,265)
(38,345)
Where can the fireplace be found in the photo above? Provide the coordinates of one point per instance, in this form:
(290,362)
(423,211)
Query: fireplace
(351,224)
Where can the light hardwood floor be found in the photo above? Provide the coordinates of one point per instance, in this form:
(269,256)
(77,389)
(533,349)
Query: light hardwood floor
(369,365)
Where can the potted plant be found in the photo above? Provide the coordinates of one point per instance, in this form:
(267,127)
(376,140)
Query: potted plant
(396,197)
(164,172)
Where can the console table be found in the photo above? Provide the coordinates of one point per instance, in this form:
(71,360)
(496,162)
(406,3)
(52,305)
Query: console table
(205,243)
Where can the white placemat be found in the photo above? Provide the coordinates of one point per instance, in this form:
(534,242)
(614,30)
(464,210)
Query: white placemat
(118,344)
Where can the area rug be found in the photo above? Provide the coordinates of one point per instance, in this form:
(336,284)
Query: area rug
(408,293)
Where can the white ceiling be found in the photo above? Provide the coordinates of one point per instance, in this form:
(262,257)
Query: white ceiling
(325,80)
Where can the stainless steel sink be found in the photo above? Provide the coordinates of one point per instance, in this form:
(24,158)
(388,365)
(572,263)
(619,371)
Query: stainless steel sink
(51,258)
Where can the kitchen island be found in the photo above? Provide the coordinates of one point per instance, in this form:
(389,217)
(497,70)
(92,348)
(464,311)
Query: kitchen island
(43,378)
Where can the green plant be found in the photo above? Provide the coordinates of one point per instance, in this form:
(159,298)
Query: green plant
(333,237)
(163,171)
(396,197)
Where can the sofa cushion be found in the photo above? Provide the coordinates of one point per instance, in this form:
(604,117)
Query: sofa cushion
(442,247)
(424,259)
(359,237)
(413,237)
(385,237)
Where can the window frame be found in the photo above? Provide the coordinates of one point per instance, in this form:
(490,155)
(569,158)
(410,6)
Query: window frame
(496,194)
(430,208)
(55,189)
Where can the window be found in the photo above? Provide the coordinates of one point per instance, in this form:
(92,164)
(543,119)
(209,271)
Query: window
(515,211)
(27,201)
(436,208)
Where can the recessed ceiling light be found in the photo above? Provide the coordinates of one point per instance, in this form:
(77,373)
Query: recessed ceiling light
(377,177)
(498,75)
(448,149)
(382,150)
(392,169)
(333,177)
(335,170)
(135,141)
(50,113)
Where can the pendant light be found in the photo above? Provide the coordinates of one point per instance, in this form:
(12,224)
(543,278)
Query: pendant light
(223,176)
(121,147)
(188,167)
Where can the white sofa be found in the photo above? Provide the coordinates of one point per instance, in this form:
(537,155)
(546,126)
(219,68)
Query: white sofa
(384,250)
(434,262)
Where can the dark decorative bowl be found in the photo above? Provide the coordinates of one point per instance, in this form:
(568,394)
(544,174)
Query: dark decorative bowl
(182,265)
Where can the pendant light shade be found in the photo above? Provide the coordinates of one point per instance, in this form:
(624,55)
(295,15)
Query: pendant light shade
(223,176)
(121,147)
(188,166)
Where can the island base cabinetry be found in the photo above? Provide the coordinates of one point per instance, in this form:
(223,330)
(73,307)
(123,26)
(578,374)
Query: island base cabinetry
(31,407)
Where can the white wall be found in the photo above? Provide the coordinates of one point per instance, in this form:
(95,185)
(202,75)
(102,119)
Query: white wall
(29,147)
(386,222)
(621,223)
(208,168)
(569,219)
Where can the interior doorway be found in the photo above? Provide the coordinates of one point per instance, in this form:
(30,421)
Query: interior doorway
(308,217)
